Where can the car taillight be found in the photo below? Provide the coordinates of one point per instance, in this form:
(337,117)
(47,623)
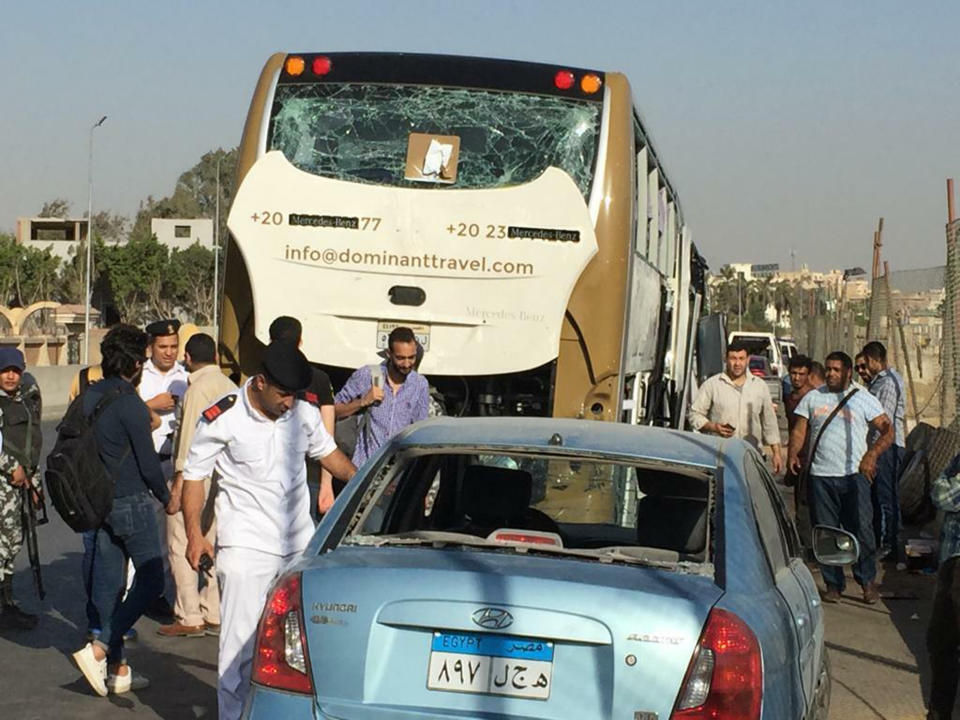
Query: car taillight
(725,677)
(280,660)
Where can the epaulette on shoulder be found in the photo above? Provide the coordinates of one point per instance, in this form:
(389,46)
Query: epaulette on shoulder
(220,407)
(310,397)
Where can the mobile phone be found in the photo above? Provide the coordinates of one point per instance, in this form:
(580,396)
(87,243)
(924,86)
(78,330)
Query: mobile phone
(377,380)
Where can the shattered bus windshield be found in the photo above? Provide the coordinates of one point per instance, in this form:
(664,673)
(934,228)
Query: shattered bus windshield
(359,132)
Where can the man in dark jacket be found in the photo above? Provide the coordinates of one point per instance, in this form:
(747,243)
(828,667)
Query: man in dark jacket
(19,464)
(130,529)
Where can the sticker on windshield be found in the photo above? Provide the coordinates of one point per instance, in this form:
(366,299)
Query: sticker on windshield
(432,158)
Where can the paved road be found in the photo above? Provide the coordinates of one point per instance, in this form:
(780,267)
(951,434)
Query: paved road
(877,652)
(38,678)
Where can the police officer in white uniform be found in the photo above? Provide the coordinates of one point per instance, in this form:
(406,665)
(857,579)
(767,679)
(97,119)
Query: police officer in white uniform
(256,439)
(162,384)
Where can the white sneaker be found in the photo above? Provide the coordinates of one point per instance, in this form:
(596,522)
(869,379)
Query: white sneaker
(125,683)
(95,671)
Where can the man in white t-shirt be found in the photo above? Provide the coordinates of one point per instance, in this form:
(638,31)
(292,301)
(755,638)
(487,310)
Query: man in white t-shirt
(256,439)
(842,466)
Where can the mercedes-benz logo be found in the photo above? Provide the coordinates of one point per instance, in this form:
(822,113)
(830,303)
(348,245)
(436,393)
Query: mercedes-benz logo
(491,618)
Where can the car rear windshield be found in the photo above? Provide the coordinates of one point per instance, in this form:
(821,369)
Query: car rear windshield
(587,504)
(360,132)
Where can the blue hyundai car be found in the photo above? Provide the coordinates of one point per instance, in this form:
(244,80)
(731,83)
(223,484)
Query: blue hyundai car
(542,568)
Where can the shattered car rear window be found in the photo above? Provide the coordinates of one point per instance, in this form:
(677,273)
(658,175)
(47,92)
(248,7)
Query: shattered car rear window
(359,132)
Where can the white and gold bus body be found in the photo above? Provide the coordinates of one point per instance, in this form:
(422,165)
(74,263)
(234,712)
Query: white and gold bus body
(531,297)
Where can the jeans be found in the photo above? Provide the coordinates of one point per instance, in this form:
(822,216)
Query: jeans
(89,542)
(844,501)
(886,501)
(129,532)
(943,641)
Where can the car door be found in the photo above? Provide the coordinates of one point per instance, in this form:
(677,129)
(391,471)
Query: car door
(767,507)
(814,631)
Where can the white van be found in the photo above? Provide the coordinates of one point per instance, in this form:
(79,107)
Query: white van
(761,343)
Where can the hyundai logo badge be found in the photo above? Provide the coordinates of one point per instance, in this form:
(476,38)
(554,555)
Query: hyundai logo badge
(492,618)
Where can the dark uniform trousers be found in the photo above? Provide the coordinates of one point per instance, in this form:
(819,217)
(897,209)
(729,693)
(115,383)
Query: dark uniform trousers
(943,641)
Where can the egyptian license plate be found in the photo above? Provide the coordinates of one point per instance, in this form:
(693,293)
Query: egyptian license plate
(491,665)
(421,332)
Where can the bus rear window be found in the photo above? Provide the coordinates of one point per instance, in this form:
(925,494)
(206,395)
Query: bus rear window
(359,132)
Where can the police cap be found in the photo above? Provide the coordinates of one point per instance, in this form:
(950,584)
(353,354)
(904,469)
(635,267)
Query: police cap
(161,328)
(284,365)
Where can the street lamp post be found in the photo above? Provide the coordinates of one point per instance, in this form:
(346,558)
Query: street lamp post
(87,292)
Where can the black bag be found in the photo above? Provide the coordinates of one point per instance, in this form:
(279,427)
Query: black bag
(78,483)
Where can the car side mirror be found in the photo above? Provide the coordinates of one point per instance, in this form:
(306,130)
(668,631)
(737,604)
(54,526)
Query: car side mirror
(833,546)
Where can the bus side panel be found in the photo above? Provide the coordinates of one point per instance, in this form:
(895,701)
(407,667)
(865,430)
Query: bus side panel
(644,314)
(598,302)
(236,324)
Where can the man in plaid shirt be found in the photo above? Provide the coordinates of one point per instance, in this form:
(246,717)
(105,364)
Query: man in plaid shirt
(886,385)
(943,635)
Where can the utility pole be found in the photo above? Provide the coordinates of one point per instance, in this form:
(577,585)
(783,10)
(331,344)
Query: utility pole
(739,302)
(87,291)
(873,321)
(216,258)
(951,316)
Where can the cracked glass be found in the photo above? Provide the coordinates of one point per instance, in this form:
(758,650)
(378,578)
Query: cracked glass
(359,132)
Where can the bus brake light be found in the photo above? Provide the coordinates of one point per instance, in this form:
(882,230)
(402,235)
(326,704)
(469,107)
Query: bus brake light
(563,80)
(590,83)
(295,66)
(322,65)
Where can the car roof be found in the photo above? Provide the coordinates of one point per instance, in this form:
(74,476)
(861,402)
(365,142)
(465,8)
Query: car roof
(587,436)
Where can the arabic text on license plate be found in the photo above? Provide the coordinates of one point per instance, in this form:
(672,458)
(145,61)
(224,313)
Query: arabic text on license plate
(490,664)
(421,332)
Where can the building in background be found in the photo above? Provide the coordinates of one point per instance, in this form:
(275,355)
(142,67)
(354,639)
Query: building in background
(58,235)
(181,233)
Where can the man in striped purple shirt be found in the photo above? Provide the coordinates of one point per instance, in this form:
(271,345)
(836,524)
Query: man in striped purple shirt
(392,394)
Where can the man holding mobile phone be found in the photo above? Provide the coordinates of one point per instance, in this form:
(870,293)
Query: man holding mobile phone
(736,403)
(392,394)
(162,384)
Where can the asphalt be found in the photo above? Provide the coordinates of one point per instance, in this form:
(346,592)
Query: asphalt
(37,676)
(877,652)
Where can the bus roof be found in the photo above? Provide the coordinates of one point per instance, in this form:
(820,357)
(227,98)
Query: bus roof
(441,70)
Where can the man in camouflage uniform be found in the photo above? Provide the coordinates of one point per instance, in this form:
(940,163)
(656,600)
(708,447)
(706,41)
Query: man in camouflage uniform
(19,467)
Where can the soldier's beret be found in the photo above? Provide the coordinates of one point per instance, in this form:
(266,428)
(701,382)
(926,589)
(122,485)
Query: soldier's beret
(285,366)
(163,327)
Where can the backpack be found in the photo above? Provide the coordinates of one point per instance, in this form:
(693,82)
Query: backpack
(78,483)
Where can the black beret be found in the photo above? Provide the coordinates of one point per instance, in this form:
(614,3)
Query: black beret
(163,327)
(286,366)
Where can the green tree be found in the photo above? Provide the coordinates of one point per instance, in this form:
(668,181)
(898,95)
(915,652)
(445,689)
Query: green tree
(134,276)
(56,208)
(190,282)
(195,194)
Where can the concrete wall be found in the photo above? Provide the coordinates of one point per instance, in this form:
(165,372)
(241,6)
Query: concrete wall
(54,382)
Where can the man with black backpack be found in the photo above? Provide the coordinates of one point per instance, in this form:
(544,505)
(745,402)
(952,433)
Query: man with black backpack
(19,463)
(121,431)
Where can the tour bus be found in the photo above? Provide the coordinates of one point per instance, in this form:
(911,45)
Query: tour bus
(515,215)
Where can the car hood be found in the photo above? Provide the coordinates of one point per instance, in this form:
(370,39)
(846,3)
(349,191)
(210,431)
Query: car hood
(620,638)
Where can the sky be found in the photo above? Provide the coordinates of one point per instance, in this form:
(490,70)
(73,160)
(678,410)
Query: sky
(784,127)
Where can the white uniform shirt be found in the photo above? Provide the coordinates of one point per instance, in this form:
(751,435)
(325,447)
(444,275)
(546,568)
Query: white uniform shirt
(152,383)
(262,500)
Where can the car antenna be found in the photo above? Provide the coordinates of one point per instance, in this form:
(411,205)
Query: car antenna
(556,439)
